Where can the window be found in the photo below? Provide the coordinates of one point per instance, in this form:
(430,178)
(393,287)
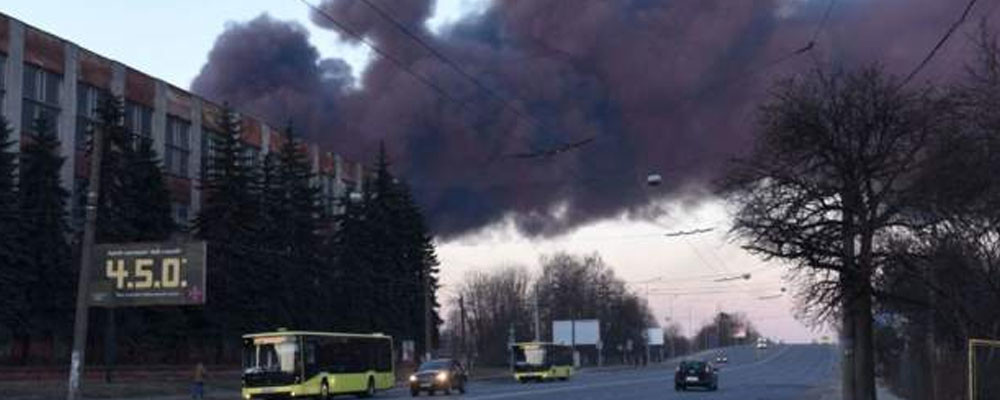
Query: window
(180,213)
(88,99)
(251,155)
(178,147)
(41,98)
(328,186)
(209,138)
(139,121)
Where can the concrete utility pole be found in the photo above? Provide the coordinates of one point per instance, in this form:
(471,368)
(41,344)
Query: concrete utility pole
(538,323)
(428,318)
(461,317)
(77,357)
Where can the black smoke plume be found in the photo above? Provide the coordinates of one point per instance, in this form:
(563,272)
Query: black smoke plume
(664,86)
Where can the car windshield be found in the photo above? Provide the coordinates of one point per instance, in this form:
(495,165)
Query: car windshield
(434,365)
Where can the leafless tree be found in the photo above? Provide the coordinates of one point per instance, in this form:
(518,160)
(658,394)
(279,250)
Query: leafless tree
(830,180)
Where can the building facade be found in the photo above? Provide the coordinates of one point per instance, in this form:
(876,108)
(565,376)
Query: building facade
(41,74)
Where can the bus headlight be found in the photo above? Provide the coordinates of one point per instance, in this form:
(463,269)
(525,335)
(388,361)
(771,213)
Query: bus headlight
(442,376)
(413,378)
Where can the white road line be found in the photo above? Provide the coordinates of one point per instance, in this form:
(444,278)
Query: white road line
(535,392)
(776,354)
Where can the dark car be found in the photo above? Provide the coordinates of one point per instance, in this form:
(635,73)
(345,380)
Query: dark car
(695,374)
(441,374)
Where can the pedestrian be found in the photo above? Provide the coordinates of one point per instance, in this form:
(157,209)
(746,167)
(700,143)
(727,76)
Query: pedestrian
(198,384)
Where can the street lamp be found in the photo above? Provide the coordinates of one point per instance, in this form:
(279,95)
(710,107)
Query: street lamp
(654,180)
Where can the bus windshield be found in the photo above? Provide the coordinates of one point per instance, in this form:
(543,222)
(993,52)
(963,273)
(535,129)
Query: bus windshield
(276,354)
(530,355)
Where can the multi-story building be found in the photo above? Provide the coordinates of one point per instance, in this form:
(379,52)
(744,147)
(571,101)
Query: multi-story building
(41,74)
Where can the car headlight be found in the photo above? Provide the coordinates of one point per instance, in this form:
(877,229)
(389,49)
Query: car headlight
(413,378)
(442,376)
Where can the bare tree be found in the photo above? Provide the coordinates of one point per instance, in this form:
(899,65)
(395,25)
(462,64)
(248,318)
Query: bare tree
(494,302)
(830,179)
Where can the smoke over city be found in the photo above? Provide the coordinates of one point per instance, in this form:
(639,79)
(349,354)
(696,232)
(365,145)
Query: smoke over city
(666,87)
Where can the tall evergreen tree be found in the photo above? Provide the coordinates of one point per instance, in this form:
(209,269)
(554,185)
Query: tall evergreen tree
(386,255)
(294,221)
(134,200)
(8,199)
(48,276)
(228,220)
(114,209)
(13,305)
(149,214)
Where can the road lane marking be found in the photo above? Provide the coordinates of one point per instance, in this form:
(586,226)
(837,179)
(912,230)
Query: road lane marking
(532,392)
(768,359)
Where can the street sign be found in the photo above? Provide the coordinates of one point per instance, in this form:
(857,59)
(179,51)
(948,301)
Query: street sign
(148,274)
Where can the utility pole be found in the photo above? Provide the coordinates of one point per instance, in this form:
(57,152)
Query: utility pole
(461,316)
(77,357)
(428,319)
(572,325)
(538,323)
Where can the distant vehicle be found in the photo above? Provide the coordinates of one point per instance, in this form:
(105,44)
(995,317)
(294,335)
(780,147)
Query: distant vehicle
(722,358)
(695,374)
(542,361)
(321,364)
(761,343)
(442,374)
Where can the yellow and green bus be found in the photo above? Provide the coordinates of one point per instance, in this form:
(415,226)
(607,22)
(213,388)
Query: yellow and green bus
(542,361)
(288,364)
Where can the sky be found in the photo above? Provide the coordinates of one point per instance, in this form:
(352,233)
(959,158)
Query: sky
(171,40)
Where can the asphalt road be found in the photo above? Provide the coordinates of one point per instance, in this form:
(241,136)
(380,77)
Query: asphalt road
(793,372)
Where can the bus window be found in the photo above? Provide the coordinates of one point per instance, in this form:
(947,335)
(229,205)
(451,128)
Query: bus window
(271,358)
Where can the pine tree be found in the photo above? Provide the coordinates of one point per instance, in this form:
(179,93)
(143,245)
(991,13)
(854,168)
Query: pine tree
(294,224)
(353,267)
(228,220)
(114,209)
(134,201)
(422,263)
(149,216)
(13,305)
(47,271)
(386,254)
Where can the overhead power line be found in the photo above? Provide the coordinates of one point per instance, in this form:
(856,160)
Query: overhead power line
(688,233)
(447,61)
(822,23)
(507,104)
(944,39)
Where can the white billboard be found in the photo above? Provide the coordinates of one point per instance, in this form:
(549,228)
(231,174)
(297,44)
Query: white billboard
(654,336)
(582,332)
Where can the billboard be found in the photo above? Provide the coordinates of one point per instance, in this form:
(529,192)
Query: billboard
(581,331)
(654,336)
(148,274)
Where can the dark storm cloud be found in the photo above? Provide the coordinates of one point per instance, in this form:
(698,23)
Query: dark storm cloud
(663,86)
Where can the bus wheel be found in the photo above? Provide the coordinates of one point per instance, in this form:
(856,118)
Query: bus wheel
(324,391)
